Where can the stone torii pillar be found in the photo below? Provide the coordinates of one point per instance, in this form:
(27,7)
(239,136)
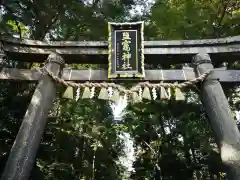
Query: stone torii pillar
(22,156)
(219,114)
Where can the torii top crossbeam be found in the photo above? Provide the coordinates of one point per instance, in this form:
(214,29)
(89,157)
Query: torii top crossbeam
(95,52)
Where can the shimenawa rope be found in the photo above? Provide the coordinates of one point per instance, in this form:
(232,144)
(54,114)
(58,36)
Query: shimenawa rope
(122,89)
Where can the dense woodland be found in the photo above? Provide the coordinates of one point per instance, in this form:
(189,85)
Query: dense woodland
(81,140)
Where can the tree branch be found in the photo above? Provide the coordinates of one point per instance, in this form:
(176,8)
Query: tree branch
(49,25)
(157,166)
(222,11)
(225,5)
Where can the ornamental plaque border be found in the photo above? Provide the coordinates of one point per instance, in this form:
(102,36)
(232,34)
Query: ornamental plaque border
(140,71)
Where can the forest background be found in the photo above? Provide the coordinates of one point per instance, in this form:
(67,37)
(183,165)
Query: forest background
(82,140)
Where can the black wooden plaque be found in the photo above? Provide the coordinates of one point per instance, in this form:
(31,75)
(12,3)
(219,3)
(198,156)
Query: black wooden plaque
(125,46)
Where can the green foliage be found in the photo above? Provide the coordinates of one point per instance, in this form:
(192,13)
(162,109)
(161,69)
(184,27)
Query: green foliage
(18,27)
(85,140)
(192,19)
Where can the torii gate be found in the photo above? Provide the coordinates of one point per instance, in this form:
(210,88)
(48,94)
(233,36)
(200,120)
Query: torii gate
(201,53)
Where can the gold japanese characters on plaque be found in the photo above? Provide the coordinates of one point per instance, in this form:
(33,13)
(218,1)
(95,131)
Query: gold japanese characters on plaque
(125,46)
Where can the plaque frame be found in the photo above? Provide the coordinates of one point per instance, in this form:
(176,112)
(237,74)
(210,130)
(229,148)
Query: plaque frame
(113,28)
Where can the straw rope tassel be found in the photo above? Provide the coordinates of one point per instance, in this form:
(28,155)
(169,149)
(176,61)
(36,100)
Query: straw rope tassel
(86,93)
(179,95)
(115,97)
(68,94)
(146,94)
(163,93)
(103,94)
(135,98)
